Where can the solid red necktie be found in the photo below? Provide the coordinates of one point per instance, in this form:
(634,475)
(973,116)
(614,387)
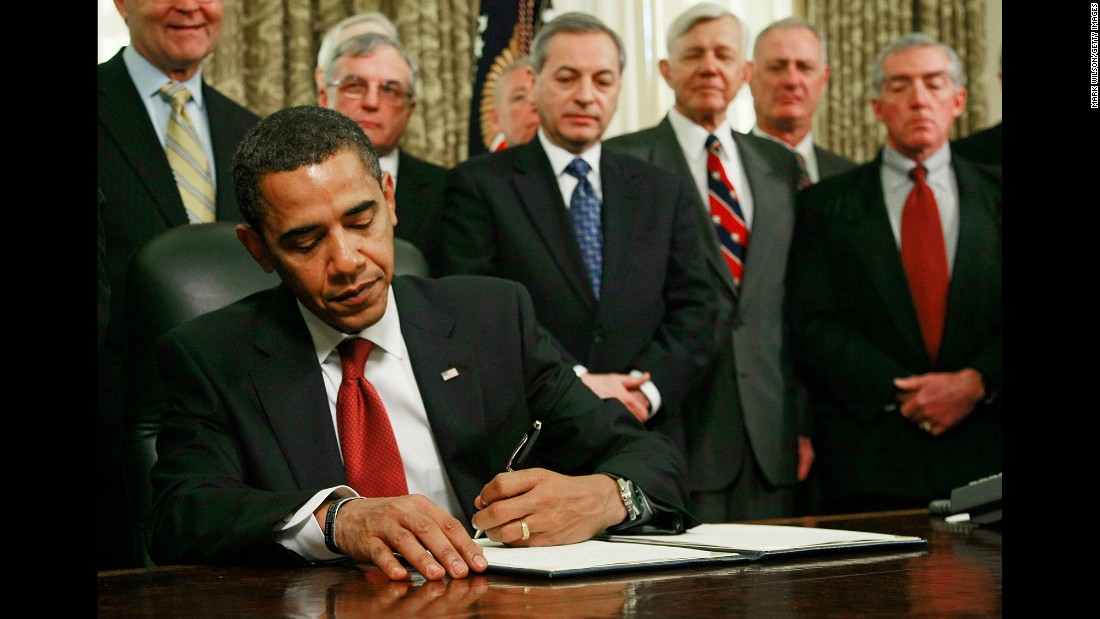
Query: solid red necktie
(372,460)
(725,212)
(924,255)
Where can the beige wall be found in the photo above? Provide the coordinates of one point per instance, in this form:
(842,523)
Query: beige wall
(993,53)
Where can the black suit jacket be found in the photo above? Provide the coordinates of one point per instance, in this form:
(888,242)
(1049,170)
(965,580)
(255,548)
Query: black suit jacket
(830,163)
(419,197)
(659,304)
(855,329)
(140,200)
(983,146)
(248,436)
(745,395)
(140,195)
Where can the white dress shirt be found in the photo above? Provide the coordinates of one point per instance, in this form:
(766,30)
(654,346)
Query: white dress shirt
(388,368)
(693,143)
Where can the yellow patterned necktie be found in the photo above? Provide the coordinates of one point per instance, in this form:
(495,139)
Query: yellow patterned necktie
(187,158)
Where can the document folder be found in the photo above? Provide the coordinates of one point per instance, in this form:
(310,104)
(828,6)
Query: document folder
(706,544)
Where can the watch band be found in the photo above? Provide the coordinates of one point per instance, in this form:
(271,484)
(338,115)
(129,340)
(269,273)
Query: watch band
(631,500)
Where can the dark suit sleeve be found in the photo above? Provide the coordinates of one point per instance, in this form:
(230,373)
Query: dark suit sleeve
(694,306)
(583,434)
(204,510)
(467,243)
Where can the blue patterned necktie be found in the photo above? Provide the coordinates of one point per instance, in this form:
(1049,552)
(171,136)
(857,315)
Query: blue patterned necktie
(584,210)
(725,212)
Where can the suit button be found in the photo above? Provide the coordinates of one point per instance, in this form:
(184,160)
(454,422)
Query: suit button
(597,335)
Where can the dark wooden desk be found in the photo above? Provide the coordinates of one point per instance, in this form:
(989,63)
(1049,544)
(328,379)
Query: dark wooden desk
(957,574)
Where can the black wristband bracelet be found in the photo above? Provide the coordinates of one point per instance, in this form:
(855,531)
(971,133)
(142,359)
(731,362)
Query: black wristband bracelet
(330,523)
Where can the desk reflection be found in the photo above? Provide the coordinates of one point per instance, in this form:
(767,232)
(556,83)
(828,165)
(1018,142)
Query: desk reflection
(957,575)
(364,591)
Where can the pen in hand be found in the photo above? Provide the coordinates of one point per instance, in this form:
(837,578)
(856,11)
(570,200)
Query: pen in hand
(519,455)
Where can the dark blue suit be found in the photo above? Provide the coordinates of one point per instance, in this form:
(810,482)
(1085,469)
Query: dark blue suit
(659,303)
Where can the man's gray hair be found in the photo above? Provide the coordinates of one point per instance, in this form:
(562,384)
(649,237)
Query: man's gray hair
(366,44)
(910,41)
(326,54)
(792,23)
(704,11)
(573,22)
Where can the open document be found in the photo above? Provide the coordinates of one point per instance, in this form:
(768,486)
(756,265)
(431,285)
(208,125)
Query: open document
(706,544)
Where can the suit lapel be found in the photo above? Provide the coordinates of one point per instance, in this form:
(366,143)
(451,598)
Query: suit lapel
(872,240)
(225,146)
(454,405)
(772,221)
(977,255)
(536,183)
(292,394)
(123,115)
(668,154)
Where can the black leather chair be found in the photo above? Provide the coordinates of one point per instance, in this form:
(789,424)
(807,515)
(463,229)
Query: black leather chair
(178,275)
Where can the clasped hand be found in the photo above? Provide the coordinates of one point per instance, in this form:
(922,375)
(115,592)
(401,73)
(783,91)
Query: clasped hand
(558,509)
(624,387)
(939,400)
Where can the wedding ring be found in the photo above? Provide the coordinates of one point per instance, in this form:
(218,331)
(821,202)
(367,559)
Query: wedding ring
(526,531)
(924,425)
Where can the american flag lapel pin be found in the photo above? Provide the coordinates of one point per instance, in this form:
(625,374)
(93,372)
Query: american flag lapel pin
(449,374)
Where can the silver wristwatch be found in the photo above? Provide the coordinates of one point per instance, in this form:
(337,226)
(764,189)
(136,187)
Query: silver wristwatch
(631,498)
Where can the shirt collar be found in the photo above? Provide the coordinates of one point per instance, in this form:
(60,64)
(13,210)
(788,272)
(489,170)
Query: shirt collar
(386,333)
(693,138)
(389,164)
(805,147)
(560,158)
(149,79)
(936,163)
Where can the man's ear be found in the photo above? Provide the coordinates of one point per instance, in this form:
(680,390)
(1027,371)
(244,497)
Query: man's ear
(389,195)
(256,247)
(663,66)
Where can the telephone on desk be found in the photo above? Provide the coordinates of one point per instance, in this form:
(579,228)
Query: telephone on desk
(979,499)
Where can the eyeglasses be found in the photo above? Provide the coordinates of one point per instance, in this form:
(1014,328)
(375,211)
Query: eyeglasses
(355,87)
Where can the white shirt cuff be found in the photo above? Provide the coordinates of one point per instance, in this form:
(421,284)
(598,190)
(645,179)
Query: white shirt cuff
(651,392)
(300,533)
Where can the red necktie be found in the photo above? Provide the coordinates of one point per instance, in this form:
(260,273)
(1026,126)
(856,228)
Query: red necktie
(925,258)
(371,458)
(725,212)
(804,179)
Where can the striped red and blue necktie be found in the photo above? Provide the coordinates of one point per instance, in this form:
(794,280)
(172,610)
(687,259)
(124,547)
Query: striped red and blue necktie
(725,212)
